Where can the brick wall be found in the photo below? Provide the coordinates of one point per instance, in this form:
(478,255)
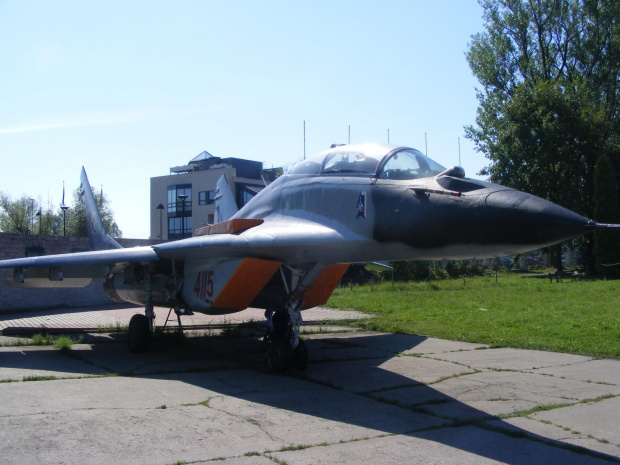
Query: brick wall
(16,245)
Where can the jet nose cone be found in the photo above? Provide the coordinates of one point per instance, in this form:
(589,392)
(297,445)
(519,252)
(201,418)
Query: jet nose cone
(529,220)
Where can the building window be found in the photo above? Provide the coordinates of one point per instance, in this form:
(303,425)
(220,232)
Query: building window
(175,205)
(179,228)
(206,197)
(245,193)
(210,218)
(179,212)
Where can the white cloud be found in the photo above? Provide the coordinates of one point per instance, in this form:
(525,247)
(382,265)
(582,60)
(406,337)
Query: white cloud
(90,119)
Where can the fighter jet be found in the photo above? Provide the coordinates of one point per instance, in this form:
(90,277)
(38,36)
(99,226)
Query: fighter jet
(287,248)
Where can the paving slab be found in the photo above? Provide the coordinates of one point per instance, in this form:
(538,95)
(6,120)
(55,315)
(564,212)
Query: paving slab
(495,393)
(382,373)
(513,359)
(319,416)
(18,363)
(321,351)
(439,346)
(540,389)
(598,419)
(172,356)
(464,446)
(538,429)
(156,436)
(409,344)
(592,371)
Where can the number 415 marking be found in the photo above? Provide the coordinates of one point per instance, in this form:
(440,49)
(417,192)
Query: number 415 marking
(204,284)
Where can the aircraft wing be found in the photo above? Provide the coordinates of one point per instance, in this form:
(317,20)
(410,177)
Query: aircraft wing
(291,242)
(85,259)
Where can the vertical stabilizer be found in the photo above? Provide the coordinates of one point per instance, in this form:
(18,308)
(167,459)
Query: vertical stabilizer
(98,238)
(225,205)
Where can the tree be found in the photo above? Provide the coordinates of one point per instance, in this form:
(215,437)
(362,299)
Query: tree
(550,76)
(76,216)
(28,216)
(17,215)
(606,210)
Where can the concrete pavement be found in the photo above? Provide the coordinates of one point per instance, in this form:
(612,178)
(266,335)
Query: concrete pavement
(364,398)
(118,315)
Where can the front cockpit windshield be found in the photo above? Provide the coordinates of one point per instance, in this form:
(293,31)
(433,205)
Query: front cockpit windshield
(409,164)
(368,160)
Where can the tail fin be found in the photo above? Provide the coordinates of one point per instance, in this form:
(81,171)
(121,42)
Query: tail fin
(225,205)
(98,238)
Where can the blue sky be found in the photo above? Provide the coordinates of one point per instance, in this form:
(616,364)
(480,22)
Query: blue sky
(129,89)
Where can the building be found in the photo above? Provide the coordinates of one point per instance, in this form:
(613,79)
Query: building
(183,201)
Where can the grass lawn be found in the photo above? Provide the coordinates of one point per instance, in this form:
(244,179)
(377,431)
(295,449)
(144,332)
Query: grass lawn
(527,312)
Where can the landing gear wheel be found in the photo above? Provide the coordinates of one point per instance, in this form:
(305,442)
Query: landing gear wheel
(139,333)
(300,356)
(279,356)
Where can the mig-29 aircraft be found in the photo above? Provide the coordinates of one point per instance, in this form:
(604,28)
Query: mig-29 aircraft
(287,248)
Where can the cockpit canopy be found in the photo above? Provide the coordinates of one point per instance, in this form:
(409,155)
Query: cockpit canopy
(382,161)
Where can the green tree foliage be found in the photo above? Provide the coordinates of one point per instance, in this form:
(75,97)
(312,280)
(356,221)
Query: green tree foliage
(26,216)
(29,216)
(550,76)
(606,210)
(76,216)
(16,216)
(415,270)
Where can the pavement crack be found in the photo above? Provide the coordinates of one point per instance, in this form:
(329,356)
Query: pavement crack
(456,375)
(243,418)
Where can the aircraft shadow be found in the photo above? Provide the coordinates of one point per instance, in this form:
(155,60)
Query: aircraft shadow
(351,381)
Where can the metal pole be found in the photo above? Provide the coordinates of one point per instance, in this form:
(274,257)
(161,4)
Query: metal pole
(160,207)
(63,207)
(183,198)
(304,139)
(31,215)
(183,220)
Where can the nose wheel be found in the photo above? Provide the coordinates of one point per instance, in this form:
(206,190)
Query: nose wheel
(285,349)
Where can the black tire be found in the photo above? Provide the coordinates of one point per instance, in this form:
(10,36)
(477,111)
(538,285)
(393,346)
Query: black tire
(139,333)
(300,356)
(278,356)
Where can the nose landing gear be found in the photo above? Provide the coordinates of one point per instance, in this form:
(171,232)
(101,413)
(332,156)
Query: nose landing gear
(285,349)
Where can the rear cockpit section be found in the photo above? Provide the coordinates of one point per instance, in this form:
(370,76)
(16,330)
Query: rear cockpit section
(374,160)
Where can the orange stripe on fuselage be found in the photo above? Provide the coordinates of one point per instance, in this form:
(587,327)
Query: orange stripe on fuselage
(322,288)
(228,227)
(245,283)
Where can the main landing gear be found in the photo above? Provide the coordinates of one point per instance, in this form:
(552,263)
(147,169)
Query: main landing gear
(285,349)
(139,333)
(141,326)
